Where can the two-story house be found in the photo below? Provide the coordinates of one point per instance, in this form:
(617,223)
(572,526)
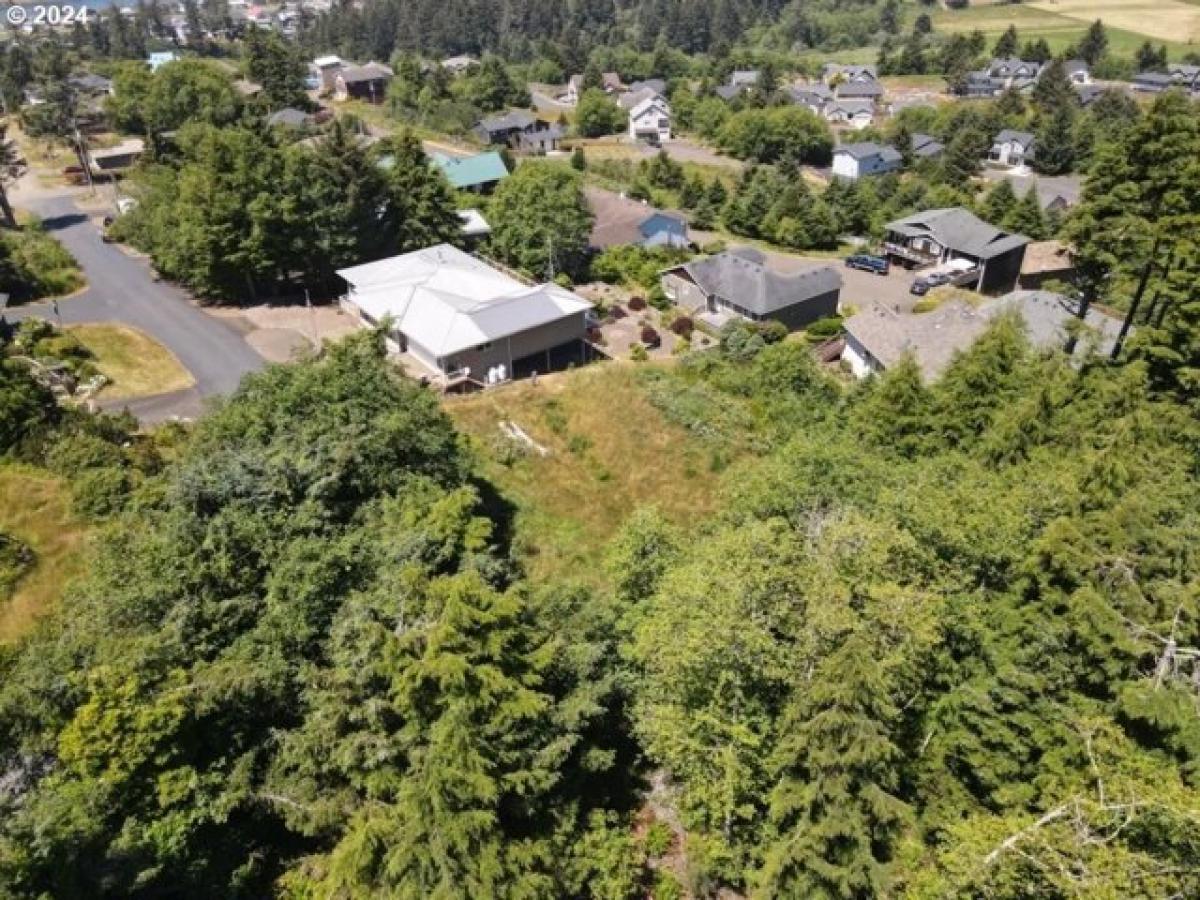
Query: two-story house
(865,158)
(937,236)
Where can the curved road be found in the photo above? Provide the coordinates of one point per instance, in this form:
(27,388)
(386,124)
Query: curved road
(121,289)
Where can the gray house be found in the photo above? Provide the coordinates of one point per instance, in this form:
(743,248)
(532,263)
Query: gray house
(878,338)
(938,236)
(740,282)
(519,130)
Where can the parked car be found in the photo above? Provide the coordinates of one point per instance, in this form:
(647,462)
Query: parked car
(923,285)
(869,263)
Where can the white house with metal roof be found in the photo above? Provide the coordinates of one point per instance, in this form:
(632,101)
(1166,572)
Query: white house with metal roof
(460,317)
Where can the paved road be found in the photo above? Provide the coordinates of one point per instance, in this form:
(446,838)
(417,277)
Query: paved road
(121,289)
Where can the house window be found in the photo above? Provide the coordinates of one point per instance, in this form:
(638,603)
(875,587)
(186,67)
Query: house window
(664,124)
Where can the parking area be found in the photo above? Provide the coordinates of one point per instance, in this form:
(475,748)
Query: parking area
(860,289)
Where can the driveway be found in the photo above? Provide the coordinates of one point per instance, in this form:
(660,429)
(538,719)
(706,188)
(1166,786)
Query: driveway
(121,289)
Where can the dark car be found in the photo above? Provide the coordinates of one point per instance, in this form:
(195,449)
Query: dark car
(922,286)
(869,263)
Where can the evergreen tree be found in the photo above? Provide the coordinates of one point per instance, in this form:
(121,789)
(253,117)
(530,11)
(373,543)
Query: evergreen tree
(418,207)
(1026,216)
(1054,90)
(1006,44)
(277,66)
(1094,44)
(835,814)
(999,202)
(1055,142)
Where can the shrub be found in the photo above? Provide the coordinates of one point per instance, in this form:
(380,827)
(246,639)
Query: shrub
(658,298)
(667,887)
(637,303)
(659,839)
(824,329)
(650,337)
(100,492)
(638,353)
(714,247)
(683,326)
(563,280)
(16,559)
(772,332)
(40,265)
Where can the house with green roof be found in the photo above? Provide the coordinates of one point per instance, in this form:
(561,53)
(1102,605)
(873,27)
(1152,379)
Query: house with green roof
(479,173)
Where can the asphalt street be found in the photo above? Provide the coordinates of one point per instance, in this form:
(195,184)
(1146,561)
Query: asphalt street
(121,289)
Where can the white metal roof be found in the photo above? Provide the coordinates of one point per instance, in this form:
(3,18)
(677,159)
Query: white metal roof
(448,301)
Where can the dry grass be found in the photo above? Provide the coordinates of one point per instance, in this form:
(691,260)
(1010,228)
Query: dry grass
(35,508)
(1063,22)
(610,451)
(135,363)
(1163,20)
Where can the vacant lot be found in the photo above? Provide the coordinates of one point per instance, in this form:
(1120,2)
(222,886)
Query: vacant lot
(609,451)
(136,364)
(35,508)
(1162,20)
(1062,23)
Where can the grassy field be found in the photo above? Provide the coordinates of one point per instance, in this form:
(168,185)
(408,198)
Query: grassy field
(36,509)
(610,451)
(1063,22)
(136,364)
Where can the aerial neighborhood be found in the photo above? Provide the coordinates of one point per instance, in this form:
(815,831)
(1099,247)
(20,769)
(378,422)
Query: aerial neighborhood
(600,449)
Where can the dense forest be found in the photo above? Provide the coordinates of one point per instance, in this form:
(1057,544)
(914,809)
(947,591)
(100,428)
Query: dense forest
(938,641)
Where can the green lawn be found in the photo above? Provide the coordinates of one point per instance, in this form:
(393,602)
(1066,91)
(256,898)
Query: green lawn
(135,364)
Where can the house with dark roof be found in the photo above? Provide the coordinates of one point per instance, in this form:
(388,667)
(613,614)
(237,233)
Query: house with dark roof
(366,82)
(740,81)
(1011,148)
(926,146)
(520,130)
(937,236)
(865,158)
(1185,75)
(479,173)
(814,96)
(1014,72)
(741,282)
(980,84)
(878,338)
(91,85)
(1152,82)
